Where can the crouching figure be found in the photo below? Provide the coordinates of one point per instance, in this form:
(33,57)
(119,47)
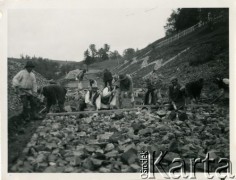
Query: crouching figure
(92,99)
(108,98)
(55,94)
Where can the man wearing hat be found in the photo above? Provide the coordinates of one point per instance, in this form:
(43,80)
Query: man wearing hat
(176,94)
(125,85)
(92,96)
(107,78)
(25,86)
(177,99)
(153,84)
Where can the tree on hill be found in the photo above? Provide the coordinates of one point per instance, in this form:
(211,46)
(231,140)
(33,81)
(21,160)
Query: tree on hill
(114,55)
(170,25)
(93,55)
(93,50)
(129,53)
(103,53)
(183,18)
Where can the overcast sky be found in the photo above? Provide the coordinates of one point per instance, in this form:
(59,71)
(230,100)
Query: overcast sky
(65,34)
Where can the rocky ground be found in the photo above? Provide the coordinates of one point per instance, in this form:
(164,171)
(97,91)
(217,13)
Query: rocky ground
(112,142)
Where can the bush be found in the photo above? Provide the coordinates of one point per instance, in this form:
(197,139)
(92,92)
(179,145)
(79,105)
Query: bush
(201,59)
(201,54)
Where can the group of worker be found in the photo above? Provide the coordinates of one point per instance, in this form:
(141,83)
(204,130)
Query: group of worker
(115,87)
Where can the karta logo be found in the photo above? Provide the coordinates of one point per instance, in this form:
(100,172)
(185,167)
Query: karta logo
(151,165)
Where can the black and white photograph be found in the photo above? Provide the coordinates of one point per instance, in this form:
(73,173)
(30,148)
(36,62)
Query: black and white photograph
(119,90)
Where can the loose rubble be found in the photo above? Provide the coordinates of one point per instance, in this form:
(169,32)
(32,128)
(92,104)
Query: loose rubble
(113,142)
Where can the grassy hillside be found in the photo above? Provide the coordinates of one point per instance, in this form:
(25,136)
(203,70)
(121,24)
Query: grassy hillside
(203,53)
(207,57)
(109,64)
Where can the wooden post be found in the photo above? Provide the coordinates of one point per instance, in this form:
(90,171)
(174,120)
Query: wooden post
(89,112)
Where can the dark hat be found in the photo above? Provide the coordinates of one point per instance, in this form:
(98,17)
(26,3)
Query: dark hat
(122,77)
(29,64)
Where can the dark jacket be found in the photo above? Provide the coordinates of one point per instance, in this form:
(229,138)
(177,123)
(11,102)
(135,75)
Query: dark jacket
(54,93)
(126,84)
(107,76)
(194,88)
(177,95)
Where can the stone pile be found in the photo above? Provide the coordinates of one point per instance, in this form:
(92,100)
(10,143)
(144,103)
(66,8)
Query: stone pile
(112,143)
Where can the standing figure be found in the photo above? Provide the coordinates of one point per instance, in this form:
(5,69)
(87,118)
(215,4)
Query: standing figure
(177,100)
(125,86)
(107,78)
(80,78)
(176,94)
(153,84)
(25,86)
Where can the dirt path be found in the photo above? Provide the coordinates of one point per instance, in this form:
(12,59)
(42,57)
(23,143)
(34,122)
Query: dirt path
(18,137)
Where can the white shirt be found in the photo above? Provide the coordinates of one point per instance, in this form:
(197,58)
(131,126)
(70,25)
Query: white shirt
(106,92)
(25,80)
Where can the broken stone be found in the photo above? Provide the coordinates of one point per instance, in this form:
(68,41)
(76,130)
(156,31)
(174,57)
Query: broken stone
(125,168)
(51,146)
(88,164)
(69,169)
(40,158)
(106,136)
(89,149)
(42,165)
(109,147)
(111,154)
(104,170)
(114,138)
(68,108)
(88,120)
(129,156)
(53,169)
(125,141)
(161,113)
(26,151)
(43,134)
(146,131)
(82,134)
(80,147)
(52,158)
(96,162)
(135,167)
(61,162)
(76,161)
